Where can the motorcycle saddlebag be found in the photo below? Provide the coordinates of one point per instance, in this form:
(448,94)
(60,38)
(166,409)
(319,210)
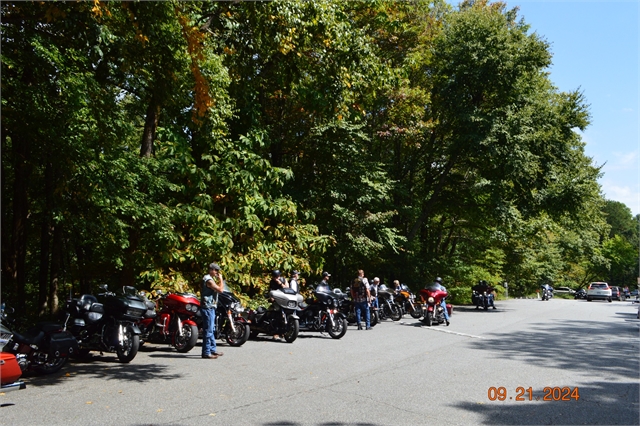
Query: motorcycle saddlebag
(449,309)
(9,368)
(62,343)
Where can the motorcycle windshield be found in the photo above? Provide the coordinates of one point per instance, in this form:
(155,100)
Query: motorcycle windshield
(322,288)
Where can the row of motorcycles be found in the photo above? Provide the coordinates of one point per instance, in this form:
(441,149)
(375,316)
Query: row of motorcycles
(122,322)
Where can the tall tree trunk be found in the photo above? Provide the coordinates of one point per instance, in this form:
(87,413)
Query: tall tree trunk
(45,242)
(56,262)
(150,128)
(18,253)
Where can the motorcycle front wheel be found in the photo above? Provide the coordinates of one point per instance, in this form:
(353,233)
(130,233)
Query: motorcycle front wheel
(373,317)
(188,340)
(129,348)
(241,334)
(291,334)
(428,319)
(396,313)
(51,366)
(416,313)
(339,327)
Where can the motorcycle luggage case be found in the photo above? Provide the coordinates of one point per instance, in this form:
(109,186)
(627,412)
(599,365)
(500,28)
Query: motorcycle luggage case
(62,343)
(9,368)
(449,309)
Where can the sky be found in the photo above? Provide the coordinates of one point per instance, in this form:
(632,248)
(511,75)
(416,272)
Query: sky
(595,50)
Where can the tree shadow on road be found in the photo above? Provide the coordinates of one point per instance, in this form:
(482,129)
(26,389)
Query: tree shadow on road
(599,403)
(105,367)
(609,351)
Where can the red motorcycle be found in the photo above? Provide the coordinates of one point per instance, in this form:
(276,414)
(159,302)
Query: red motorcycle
(10,372)
(433,311)
(171,320)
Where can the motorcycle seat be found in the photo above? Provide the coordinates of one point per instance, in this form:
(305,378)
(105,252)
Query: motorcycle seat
(32,337)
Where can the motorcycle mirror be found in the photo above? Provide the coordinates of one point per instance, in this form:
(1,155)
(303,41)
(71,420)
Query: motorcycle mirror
(159,292)
(103,287)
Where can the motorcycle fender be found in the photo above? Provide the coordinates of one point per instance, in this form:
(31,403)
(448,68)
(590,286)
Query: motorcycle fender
(189,322)
(135,329)
(240,319)
(430,309)
(339,315)
(294,316)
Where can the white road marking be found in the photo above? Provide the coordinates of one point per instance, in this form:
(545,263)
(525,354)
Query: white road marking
(452,332)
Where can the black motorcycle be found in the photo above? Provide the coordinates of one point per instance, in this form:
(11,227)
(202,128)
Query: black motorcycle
(321,313)
(107,323)
(229,324)
(387,307)
(482,296)
(280,318)
(43,348)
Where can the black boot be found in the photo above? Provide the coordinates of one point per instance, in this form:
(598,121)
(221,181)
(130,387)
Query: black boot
(359,326)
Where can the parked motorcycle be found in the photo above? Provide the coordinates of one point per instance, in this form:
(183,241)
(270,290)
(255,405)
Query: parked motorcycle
(107,323)
(44,348)
(433,310)
(10,372)
(482,296)
(280,318)
(171,320)
(229,323)
(406,301)
(322,313)
(388,308)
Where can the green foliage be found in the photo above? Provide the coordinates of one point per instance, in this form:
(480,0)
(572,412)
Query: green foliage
(143,140)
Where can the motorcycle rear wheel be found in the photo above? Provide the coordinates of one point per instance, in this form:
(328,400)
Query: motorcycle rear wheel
(52,366)
(188,340)
(293,328)
(339,328)
(131,343)
(240,336)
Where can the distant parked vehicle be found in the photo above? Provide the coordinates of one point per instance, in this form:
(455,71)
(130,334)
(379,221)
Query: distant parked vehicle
(617,293)
(580,294)
(599,290)
(564,290)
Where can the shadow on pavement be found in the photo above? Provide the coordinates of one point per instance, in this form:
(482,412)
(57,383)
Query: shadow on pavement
(608,350)
(599,403)
(105,367)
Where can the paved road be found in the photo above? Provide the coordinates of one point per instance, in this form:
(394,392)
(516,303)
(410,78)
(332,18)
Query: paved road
(396,374)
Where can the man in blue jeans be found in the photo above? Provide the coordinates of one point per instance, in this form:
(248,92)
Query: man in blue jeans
(361,297)
(212,284)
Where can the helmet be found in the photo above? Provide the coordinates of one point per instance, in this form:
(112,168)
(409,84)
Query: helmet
(383,287)
(325,274)
(275,273)
(439,280)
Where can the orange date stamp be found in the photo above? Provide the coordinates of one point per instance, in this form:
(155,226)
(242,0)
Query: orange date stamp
(526,394)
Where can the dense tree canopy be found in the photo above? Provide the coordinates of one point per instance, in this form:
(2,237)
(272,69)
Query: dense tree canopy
(143,140)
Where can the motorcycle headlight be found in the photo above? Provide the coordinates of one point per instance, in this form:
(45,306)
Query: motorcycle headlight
(188,307)
(431,300)
(292,304)
(238,307)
